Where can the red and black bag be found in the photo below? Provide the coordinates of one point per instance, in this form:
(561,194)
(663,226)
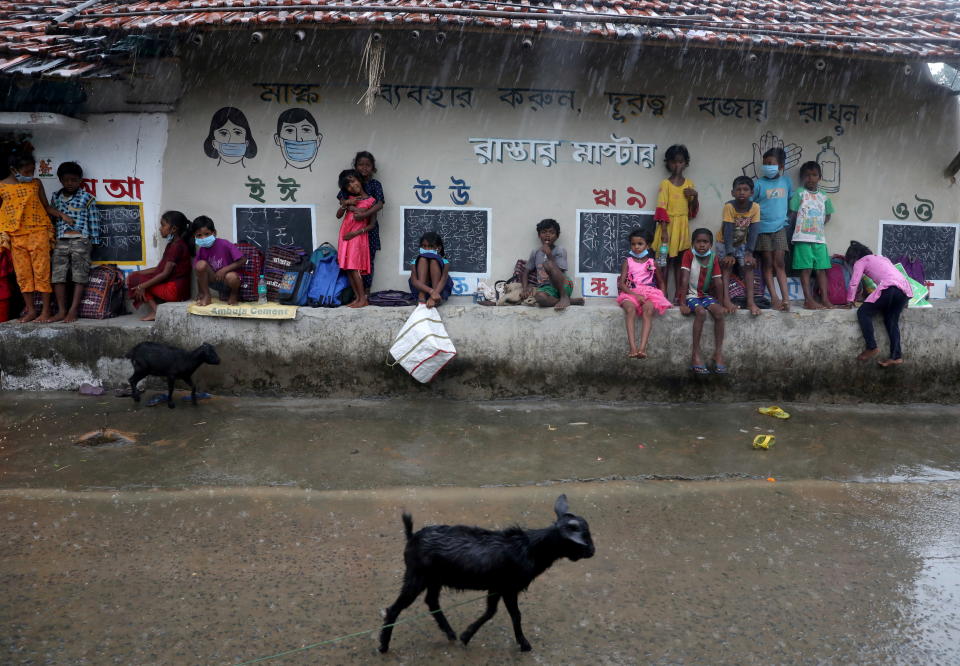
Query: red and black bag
(251,271)
(104,295)
(278,261)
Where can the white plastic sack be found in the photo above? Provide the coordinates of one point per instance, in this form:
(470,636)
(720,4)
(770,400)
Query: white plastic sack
(423,347)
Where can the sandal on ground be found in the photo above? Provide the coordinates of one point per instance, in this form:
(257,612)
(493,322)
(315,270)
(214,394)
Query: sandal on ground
(699,369)
(721,369)
(775,412)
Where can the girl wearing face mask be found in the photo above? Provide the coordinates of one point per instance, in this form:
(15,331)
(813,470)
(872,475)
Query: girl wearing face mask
(25,216)
(639,295)
(217,263)
(170,279)
(772,190)
(700,275)
(430,272)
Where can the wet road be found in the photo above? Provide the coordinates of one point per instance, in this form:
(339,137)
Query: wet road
(246,527)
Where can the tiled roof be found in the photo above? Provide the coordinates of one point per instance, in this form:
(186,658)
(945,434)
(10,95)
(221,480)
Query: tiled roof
(41,37)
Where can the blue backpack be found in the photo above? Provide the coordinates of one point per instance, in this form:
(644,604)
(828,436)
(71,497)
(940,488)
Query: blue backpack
(328,282)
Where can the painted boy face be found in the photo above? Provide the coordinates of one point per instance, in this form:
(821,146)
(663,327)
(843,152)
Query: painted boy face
(742,192)
(230,141)
(299,142)
(811,179)
(71,183)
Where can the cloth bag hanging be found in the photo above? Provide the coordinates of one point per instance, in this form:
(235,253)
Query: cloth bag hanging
(422,347)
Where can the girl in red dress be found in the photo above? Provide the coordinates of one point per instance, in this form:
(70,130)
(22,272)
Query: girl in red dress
(353,248)
(170,279)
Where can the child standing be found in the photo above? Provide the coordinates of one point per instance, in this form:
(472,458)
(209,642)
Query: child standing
(170,279)
(216,263)
(772,191)
(810,209)
(639,295)
(677,204)
(891,296)
(365,164)
(74,241)
(430,272)
(699,272)
(737,239)
(25,216)
(549,263)
(353,248)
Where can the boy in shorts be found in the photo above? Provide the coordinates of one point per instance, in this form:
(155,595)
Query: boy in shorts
(737,239)
(549,264)
(71,254)
(810,209)
(772,190)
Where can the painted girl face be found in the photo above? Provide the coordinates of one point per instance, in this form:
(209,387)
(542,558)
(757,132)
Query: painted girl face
(299,143)
(230,141)
(365,167)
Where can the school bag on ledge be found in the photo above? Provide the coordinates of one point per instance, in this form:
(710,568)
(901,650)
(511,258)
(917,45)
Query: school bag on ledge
(104,295)
(294,284)
(278,260)
(422,347)
(328,284)
(250,272)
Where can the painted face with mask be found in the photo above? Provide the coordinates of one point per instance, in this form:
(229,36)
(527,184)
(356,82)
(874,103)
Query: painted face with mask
(230,141)
(299,142)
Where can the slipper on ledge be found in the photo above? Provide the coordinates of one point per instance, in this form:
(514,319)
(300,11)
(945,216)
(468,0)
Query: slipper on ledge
(699,369)
(721,369)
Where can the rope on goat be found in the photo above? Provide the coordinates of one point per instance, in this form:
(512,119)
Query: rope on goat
(358,633)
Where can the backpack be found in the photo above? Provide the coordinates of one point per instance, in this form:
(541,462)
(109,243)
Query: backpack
(837,280)
(250,272)
(519,269)
(104,295)
(328,281)
(392,298)
(278,260)
(293,286)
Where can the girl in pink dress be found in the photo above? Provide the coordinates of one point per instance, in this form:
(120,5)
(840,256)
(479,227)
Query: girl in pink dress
(353,248)
(639,295)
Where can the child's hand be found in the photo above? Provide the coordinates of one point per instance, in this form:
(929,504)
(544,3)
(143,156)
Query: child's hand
(748,260)
(690,193)
(729,261)
(684,310)
(547,249)
(66,218)
(350,235)
(221,275)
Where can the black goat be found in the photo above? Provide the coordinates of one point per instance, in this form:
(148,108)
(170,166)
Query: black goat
(504,562)
(158,360)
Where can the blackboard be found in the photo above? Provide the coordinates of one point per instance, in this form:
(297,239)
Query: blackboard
(266,226)
(602,238)
(121,234)
(934,244)
(465,233)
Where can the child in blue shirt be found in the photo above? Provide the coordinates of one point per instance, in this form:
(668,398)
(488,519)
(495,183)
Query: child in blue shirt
(772,191)
(75,240)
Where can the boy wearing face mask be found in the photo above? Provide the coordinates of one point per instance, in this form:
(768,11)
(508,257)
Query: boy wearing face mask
(217,263)
(773,191)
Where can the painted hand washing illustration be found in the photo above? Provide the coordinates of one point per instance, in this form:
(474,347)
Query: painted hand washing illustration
(767,141)
(298,138)
(230,139)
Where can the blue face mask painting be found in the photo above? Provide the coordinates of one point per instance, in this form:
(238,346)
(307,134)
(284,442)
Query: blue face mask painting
(205,242)
(770,170)
(232,149)
(639,256)
(300,151)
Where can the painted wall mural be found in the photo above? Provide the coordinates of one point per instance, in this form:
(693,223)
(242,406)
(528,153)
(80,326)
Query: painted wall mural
(544,151)
(538,97)
(230,140)
(767,141)
(440,96)
(635,104)
(733,107)
(281,93)
(829,162)
(298,137)
(813,112)
(923,210)
(606,196)
(459,190)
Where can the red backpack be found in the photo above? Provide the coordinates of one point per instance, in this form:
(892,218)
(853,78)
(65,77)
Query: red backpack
(278,261)
(104,295)
(251,271)
(836,281)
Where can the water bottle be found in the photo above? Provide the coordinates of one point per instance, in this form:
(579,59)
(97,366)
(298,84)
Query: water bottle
(662,255)
(262,291)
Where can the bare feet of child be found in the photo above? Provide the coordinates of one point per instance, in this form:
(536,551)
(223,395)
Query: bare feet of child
(60,316)
(362,303)
(70,318)
(867,354)
(729,307)
(642,353)
(785,305)
(812,305)
(776,304)
(563,303)
(204,299)
(44,317)
(754,310)
(890,362)
(150,317)
(234,299)
(578,301)
(29,316)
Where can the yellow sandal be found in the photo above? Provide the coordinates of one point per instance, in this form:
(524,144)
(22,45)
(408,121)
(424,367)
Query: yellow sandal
(763,441)
(775,412)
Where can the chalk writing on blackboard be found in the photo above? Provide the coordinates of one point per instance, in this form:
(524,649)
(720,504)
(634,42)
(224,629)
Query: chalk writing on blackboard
(266,226)
(933,244)
(602,238)
(465,232)
(121,234)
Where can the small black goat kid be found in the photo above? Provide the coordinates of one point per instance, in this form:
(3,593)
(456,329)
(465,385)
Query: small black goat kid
(504,562)
(158,360)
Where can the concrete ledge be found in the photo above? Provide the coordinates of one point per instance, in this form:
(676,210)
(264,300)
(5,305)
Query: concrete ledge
(509,352)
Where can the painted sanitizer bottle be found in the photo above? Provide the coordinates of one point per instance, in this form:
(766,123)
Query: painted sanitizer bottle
(830,166)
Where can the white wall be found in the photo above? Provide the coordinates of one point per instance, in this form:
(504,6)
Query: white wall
(113,146)
(904,135)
